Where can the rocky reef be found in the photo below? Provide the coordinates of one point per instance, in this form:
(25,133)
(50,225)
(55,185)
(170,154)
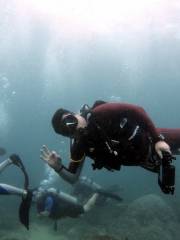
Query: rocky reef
(149,217)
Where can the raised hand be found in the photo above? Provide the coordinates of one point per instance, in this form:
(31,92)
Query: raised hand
(51,158)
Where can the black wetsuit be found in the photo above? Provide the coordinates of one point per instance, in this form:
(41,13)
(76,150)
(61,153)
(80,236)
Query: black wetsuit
(117,134)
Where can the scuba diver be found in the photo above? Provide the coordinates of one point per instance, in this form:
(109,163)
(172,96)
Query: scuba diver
(60,205)
(114,135)
(49,203)
(26,194)
(85,187)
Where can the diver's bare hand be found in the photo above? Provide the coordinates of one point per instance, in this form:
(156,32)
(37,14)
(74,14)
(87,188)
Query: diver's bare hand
(51,158)
(160,147)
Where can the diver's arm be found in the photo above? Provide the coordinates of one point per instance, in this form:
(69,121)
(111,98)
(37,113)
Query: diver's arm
(4,164)
(6,189)
(70,174)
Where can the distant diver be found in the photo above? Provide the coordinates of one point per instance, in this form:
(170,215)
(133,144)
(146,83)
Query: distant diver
(57,205)
(49,202)
(114,135)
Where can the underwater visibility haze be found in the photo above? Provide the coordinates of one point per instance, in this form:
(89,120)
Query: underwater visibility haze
(67,53)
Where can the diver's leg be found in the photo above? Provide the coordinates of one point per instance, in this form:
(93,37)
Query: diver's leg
(91,202)
(4,164)
(6,189)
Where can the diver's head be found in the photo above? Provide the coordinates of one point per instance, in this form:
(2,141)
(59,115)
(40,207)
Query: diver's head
(66,123)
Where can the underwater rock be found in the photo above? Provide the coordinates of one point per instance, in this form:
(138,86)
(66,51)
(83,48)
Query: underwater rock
(148,217)
(147,208)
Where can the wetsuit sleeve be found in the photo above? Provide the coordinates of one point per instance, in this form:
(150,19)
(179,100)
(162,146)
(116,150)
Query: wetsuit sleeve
(72,172)
(69,176)
(77,156)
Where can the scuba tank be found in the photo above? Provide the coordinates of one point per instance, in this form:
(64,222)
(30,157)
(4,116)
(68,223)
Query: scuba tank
(67,197)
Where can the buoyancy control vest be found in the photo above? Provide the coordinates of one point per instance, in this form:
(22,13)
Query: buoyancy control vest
(110,153)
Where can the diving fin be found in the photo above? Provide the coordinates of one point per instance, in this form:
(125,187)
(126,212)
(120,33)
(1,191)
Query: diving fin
(24,209)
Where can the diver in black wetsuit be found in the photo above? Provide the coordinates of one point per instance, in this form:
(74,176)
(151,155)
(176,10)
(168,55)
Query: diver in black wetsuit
(56,205)
(49,203)
(113,135)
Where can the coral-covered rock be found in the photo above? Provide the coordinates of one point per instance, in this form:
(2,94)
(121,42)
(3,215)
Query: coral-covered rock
(150,218)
